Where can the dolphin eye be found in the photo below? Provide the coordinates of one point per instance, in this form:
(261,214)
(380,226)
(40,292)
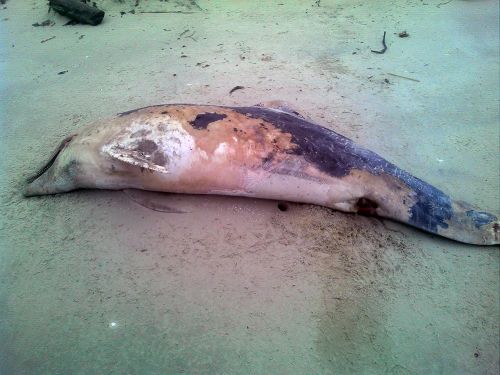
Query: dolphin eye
(73,168)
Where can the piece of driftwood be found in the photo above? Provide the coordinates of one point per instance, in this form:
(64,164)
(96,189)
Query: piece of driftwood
(78,11)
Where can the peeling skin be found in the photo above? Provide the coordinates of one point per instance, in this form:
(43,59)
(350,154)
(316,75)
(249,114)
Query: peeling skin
(257,152)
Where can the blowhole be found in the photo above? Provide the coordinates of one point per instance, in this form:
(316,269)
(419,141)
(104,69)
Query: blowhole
(283,206)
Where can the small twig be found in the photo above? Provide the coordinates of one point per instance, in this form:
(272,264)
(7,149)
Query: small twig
(191,36)
(397,75)
(236,88)
(44,23)
(196,5)
(169,11)
(46,40)
(446,2)
(383,49)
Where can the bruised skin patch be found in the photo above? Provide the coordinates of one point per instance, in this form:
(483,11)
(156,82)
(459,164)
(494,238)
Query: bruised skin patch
(366,206)
(254,137)
(337,155)
(227,145)
(257,144)
(231,137)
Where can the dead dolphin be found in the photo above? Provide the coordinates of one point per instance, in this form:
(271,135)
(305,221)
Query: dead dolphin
(271,153)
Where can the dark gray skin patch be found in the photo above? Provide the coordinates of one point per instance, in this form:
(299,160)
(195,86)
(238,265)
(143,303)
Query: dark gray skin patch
(267,161)
(337,155)
(480,218)
(147,146)
(204,119)
(159,158)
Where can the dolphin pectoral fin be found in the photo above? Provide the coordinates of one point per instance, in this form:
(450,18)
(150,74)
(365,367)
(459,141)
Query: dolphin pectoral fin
(151,199)
(283,106)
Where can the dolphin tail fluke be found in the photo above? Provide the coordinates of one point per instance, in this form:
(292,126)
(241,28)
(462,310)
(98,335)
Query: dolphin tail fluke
(434,211)
(469,225)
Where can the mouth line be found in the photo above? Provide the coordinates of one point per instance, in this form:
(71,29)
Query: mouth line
(51,161)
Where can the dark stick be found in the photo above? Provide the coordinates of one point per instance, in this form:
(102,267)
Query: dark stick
(236,88)
(196,5)
(168,11)
(77,11)
(397,75)
(446,2)
(46,40)
(383,49)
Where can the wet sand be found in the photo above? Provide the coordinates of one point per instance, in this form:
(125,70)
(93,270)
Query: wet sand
(90,282)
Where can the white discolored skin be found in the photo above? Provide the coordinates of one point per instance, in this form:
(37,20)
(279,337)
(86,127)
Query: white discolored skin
(264,153)
(165,135)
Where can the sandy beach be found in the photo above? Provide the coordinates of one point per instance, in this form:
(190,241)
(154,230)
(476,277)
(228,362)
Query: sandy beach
(92,283)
